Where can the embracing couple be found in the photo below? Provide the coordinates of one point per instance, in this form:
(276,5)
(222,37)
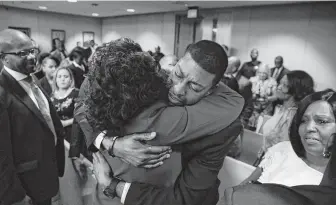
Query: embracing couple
(158,138)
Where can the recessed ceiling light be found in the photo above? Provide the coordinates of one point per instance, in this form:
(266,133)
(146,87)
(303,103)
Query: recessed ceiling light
(43,7)
(72,1)
(186,5)
(95,14)
(130,10)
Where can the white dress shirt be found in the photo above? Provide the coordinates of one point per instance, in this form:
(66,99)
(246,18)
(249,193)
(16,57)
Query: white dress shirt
(20,78)
(277,72)
(97,143)
(78,66)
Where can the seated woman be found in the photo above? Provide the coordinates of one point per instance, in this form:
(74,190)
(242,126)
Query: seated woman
(263,86)
(292,88)
(303,159)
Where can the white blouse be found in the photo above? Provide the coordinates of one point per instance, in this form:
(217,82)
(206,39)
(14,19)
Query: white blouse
(281,165)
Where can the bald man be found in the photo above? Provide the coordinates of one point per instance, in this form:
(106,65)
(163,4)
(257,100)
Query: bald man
(250,68)
(31,142)
(279,70)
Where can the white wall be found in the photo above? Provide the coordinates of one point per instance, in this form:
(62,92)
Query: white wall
(149,31)
(304,34)
(41,23)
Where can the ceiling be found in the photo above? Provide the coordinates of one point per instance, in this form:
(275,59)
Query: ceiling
(118,8)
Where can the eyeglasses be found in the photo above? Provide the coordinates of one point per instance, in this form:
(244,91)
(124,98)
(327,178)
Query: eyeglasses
(25,53)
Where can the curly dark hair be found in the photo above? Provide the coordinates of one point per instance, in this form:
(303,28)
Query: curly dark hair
(122,81)
(327,95)
(300,84)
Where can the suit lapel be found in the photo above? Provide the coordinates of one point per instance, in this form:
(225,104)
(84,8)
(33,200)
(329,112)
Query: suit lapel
(52,110)
(15,88)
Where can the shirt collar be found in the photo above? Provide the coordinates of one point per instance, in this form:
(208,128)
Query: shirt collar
(228,75)
(76,64)
(280,68)
(16,75)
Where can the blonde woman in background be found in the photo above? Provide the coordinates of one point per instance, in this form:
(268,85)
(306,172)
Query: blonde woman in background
(263,87)
(64,97)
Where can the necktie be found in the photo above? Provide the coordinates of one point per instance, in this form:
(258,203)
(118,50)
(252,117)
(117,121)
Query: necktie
(42,105)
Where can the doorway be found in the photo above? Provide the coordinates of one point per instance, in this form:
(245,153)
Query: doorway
(187,31)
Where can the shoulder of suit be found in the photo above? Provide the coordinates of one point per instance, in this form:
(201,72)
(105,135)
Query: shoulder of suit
(3,98)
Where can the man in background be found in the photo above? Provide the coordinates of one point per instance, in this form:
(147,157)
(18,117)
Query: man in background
(279,70)
(157,54)
(249,69)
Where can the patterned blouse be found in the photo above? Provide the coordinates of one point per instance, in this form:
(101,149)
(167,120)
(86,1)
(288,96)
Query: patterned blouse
(262,88)
(65,106)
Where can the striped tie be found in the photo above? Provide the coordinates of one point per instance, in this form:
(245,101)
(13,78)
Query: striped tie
(41,104)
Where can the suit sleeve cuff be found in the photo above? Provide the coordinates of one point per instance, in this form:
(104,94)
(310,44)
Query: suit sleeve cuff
(99,139)
(124,193)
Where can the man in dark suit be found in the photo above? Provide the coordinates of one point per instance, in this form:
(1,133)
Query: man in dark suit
(201,108)
(250,68)
(279,70)
(31,142)
(78,67)
(197,183)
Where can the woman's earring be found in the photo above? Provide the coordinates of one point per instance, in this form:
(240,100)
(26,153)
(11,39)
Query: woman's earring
(326,153)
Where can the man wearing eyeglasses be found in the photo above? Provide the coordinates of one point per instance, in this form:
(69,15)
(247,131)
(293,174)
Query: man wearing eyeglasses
(31,141)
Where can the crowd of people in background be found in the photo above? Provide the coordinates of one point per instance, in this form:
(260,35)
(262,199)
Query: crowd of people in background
(297,123)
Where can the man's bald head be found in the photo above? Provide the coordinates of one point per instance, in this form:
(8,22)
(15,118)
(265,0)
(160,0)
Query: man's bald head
(168,62)
(13,41)
(17,51)
(234,64)
(254,54)
(278,61)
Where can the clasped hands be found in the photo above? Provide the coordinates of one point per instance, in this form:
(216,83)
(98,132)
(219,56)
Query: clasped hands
(132,149)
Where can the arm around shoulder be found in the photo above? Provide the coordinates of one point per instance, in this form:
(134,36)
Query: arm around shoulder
(210,115)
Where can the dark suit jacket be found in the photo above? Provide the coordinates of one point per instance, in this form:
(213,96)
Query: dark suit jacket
(198,181)
(29,161)
(46,86)
(78,75)
(283,72)
(174,125)
(248,70)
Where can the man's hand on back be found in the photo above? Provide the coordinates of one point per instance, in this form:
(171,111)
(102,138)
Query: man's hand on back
(134,150)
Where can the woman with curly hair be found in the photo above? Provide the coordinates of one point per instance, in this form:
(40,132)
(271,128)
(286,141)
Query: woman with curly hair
(126,94)
(120,87)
